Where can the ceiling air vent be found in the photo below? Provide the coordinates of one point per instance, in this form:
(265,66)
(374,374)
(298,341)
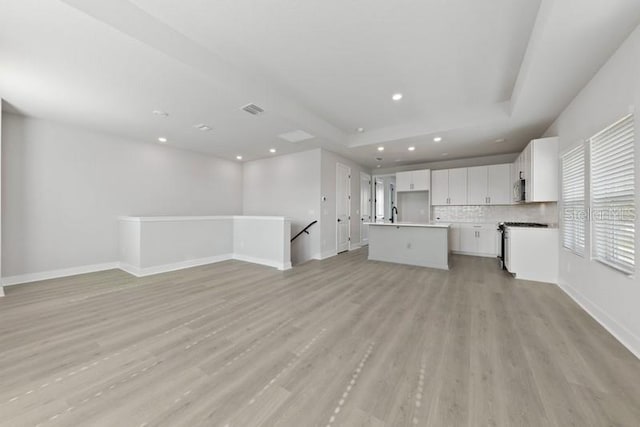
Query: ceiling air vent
(253,109)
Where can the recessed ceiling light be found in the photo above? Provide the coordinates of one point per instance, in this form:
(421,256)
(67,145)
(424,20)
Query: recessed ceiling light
(412,148)
(160,113)
(202,127)
(500,140)
(445,154)
(377,166)
(360,130)
(397,96)
(162,139)
(239,157)
(272,150)
(380,148)
(437,139)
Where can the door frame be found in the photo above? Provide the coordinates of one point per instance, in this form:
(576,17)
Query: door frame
(369,179)
(348,196)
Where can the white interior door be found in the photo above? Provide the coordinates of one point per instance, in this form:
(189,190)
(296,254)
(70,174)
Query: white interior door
(365,207)
(343,207)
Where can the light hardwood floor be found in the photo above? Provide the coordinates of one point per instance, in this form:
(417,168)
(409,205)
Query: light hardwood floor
(342,342)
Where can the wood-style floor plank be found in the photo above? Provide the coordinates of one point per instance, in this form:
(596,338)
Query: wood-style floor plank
(340,342)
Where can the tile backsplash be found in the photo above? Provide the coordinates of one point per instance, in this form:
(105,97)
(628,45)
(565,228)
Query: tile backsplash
(546,213)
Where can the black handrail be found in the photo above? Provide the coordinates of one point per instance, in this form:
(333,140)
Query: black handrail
(303,231)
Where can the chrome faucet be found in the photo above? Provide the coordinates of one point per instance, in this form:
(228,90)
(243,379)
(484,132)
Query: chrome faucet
(393,209)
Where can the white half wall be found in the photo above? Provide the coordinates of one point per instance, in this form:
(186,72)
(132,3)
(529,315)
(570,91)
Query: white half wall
(611,297)
(152,245)
(63,189)
(287,185)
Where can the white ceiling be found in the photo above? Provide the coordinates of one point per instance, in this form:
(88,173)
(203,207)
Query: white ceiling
(471,72)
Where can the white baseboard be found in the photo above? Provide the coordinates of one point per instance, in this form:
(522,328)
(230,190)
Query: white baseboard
(355,246)
(267,262)
(325,255)
(620,332)
(165,268)
(133,270)
(54,274)
(474,254)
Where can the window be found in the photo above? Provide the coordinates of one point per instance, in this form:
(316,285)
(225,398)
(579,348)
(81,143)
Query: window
(573,203)
(613,196)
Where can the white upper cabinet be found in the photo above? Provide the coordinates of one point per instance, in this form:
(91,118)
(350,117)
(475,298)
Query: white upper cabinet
(542,182)
(458,186)
(538,166)
(419,180)
(440,187)
(489,185)
(499,184)
(404,181)
(449,187)
(477,186)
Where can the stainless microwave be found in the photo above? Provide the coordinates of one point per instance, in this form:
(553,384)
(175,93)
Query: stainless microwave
(519,193)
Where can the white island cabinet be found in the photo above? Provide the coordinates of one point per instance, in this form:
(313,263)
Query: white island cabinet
(424,245)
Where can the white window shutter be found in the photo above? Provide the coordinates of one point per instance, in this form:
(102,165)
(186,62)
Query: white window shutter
(613,195)
(573,200)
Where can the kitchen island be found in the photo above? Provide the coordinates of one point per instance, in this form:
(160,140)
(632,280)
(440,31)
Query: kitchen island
(424,245)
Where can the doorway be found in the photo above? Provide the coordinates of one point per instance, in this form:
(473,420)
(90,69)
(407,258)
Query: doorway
(384,196)
(343,208)
(365,207)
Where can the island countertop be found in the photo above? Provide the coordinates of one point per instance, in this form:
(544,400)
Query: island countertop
(410,224)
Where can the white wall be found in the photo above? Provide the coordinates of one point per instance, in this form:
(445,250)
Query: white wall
(1,106)
(63,189)
(329,161)
(610,296)
(413,206)
(287,185)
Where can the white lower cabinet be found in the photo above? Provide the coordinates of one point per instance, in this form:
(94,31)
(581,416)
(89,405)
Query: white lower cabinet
(474,239)
(532,253)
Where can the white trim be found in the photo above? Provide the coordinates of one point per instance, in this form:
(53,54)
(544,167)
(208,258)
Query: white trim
(474,254)
(348,196)
(135,271)
(620,332)
(165,268)
(326,254)
(196,218)
(355,246)
(262,261)
(54,274)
